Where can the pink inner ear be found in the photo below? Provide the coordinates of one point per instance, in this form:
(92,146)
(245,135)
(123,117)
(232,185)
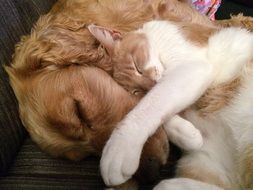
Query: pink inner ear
(99,30)
(106,37)
(91,28)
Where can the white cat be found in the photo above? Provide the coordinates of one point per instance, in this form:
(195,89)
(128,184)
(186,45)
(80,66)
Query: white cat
(187,69)
(180,131)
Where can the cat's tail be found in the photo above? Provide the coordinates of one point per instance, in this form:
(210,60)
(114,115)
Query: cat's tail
(229,50)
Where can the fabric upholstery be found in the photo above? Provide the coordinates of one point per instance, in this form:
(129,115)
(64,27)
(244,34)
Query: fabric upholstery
(16,19)
(245,2)
(229,7)
(34,169)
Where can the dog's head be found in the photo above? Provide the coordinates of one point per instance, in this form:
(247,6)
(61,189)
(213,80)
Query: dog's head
(71,112)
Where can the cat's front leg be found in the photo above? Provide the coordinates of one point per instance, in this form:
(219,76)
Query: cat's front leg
(183,133)
(121,155)
(178,89)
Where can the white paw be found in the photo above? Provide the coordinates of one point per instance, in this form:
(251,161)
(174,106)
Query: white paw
(184,184)
(190,140)
(165,185)
(184,134)
(120,158)
(177,184)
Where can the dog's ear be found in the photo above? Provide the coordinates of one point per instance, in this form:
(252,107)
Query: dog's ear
(105,36)
(186,1)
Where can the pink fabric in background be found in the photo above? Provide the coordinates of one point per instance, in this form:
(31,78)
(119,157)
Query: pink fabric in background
(207,7)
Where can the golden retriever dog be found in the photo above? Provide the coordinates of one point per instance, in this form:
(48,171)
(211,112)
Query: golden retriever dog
(61,76)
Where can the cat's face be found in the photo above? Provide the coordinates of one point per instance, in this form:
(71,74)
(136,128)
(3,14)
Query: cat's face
(136,66)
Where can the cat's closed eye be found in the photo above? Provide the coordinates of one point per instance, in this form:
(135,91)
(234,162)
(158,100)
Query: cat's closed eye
(136,92)
(137,66)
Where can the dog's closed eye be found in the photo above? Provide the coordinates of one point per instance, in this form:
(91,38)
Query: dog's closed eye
(81,115)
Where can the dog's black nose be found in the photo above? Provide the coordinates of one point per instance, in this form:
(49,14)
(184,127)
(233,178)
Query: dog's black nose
(149,171)
(154,156)
(153,170)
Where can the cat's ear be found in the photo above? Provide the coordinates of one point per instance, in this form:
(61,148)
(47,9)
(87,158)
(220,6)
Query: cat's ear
(105,36)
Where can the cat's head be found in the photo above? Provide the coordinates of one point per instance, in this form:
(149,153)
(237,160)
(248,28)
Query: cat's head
(135,65)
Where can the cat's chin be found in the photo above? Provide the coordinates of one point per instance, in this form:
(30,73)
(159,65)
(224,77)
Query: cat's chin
(156,72)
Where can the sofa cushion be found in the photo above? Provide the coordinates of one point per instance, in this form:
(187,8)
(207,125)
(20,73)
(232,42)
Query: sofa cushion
(229,7)
(248,3)
(17,17)
(34,169)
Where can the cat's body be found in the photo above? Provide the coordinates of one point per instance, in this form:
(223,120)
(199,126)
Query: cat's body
(187,71)
(226,158)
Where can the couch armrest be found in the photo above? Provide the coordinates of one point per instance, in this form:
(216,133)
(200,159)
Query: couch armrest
(11,131)
(17,18)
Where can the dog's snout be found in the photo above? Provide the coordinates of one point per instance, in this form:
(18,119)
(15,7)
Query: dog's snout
(153,169)
(150,170)
(154,156)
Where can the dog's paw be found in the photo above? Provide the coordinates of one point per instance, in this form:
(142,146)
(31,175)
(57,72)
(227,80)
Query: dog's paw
(120,158)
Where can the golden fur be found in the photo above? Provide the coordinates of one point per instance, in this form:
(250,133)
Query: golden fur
(238,20)
(200,175)
(217,97)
